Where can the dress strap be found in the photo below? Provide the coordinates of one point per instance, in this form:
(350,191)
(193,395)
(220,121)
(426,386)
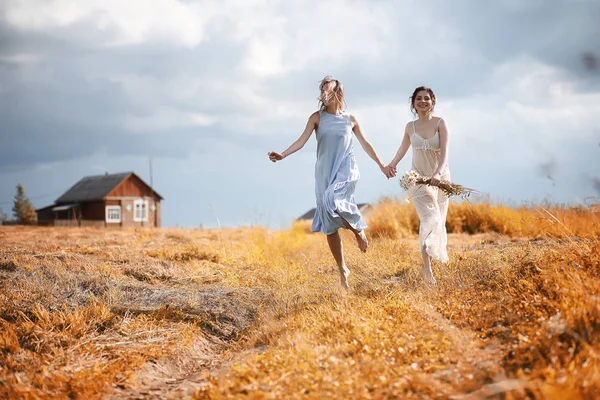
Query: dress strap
(414,129)
(438,124)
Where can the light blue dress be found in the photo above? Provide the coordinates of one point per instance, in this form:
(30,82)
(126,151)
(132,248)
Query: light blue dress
(336,175)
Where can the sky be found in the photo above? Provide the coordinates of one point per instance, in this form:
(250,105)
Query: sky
(205,89)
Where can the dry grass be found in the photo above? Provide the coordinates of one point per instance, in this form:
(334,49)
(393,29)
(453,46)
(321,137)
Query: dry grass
(394,219)
(254,313)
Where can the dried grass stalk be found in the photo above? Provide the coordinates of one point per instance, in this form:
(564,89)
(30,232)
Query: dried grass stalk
(412,178)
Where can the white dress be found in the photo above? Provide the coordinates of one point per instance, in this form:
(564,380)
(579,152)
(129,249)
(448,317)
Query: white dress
(430,202)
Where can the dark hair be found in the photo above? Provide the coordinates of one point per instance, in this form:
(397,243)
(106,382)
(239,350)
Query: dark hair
(414,96)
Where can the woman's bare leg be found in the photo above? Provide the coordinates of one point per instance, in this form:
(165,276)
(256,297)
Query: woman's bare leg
(426,271)
(361,238)
(337,249)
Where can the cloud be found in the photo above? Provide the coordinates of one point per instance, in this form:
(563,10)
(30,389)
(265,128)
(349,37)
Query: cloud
(118,23)
(179,80)
(165,120)
(19,58)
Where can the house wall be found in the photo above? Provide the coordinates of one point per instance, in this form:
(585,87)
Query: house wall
(96,211)
(127,215)
(45,216)
(75,223)
(131,187)
(70,214)
(157,214)
(112,202)
(126,193)
(93,210)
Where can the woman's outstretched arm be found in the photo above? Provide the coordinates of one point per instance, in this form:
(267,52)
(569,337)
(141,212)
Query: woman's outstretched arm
(311,125)
(367,146)
(404,146)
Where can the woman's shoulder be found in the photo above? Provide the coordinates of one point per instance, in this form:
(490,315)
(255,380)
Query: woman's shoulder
(441,123)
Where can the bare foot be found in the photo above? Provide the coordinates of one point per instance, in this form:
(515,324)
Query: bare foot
(427,276)
(361,239)
(344,274)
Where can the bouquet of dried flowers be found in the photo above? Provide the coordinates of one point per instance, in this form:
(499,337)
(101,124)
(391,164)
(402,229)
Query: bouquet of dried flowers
(412,178)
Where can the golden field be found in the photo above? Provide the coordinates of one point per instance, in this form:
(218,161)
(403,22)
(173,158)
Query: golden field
(254,313)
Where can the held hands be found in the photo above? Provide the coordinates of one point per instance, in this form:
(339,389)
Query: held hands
(275,156)
(389,171)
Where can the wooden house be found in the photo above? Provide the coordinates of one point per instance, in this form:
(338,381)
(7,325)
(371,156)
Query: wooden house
(110,200)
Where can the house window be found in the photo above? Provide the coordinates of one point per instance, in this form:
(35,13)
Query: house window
(113,213)
(140,210)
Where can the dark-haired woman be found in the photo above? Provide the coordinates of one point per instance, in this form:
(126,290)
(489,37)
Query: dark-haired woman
(428,136)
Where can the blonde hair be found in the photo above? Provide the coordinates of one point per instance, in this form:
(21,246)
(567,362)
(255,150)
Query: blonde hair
(335,89)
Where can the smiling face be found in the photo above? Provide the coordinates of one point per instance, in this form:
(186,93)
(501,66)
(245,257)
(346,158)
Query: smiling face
(423,100)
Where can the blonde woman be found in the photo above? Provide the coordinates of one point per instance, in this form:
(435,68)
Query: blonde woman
(428,136)
(336,172)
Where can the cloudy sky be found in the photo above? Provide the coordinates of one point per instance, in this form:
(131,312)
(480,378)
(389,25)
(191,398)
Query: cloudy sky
(206,88)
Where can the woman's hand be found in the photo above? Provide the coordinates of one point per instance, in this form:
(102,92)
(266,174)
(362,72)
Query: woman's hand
(389,171)
(435,180)
(275,156)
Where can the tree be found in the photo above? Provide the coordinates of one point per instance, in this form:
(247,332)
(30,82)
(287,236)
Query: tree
(3,216)
(22,208)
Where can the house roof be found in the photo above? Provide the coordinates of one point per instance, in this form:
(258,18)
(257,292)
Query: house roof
(95,187)
(45,208)
(310,214)
(65,207)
